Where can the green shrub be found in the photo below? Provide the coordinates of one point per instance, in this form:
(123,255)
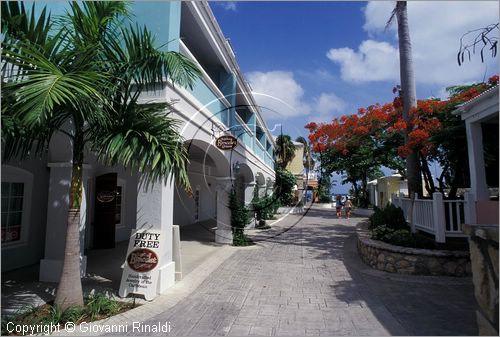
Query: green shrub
(285,180)
(264,207)
(101,305)
(73,314)
(401,237)
(390,216)
(240,217)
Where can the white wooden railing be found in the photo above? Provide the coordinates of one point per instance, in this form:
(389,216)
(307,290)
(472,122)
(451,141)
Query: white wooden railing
(442,218)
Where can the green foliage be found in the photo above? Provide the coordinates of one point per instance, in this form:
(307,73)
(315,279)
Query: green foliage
(74,314)
(401,237)
(264,207)
(285,181)
(391,216)
(285,150)
(389,225)
(323,189)
(101,305)
(240,217)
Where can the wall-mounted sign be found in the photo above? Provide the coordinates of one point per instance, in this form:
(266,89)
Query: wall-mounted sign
(226,142)
(141,268)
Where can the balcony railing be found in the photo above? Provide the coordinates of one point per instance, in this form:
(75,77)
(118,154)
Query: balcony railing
(206,91)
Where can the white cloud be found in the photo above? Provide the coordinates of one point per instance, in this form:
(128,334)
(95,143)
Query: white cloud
(228,5)
(435,28)
(282,97)
(279,94)
(374,61)
(329,103)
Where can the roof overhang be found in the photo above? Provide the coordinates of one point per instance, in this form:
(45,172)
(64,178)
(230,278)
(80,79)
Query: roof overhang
(480,108)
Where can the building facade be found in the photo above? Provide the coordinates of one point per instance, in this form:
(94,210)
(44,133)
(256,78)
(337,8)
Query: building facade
(35,192)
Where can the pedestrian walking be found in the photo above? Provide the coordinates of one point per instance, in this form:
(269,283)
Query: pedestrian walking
(348,208)
(338,206)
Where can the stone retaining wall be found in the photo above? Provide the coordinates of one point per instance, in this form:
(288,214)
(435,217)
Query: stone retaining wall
(403,260)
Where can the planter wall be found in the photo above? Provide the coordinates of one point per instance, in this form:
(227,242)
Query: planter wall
(413,261)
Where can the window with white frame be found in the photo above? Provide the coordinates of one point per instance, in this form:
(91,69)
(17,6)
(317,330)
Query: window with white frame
(12,211)
(17,185)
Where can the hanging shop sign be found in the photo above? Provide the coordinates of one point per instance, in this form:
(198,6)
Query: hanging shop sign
(226,142)
(141,268)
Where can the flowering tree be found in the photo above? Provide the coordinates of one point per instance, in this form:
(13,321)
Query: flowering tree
(359,144)
(356,145)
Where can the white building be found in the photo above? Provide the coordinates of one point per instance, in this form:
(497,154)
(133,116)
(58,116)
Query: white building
(35,191)
(481,115)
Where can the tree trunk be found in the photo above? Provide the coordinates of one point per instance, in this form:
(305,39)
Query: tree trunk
(356,192)
(364,187)
(409,93)
(429,182)
(69,291)
(441,179)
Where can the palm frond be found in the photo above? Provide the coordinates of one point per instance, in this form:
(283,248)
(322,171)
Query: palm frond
(146,140)
(18,24)
(93,22)
(148,65)
(45,86)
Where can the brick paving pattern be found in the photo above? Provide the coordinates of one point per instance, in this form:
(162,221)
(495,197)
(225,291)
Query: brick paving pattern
(308,281)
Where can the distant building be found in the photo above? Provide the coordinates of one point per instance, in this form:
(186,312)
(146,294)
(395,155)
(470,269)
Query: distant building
(380,190)
(306,180)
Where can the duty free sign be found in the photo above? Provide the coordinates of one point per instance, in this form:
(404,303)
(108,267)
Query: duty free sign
(141,268)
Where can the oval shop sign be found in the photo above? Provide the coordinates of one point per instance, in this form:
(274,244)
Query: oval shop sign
(142,260)
(226,142)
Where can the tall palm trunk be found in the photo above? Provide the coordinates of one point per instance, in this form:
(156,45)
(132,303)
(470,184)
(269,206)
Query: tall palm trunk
(409,101)
(409,94)
(69,291)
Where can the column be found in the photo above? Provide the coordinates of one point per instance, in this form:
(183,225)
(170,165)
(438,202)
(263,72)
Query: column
(476,161)
(57,221)
(155,210)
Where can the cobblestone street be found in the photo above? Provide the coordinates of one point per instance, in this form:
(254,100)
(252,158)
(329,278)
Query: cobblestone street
(309,281)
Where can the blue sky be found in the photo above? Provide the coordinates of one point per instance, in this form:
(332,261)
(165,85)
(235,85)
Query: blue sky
(329,58)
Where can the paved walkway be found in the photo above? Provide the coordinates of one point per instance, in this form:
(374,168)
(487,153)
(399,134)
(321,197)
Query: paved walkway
(308,280)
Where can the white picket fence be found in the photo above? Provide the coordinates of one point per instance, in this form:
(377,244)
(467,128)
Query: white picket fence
(442,218)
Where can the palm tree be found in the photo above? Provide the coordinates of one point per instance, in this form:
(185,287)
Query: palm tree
(83,80)
(285,150)
(408,91)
